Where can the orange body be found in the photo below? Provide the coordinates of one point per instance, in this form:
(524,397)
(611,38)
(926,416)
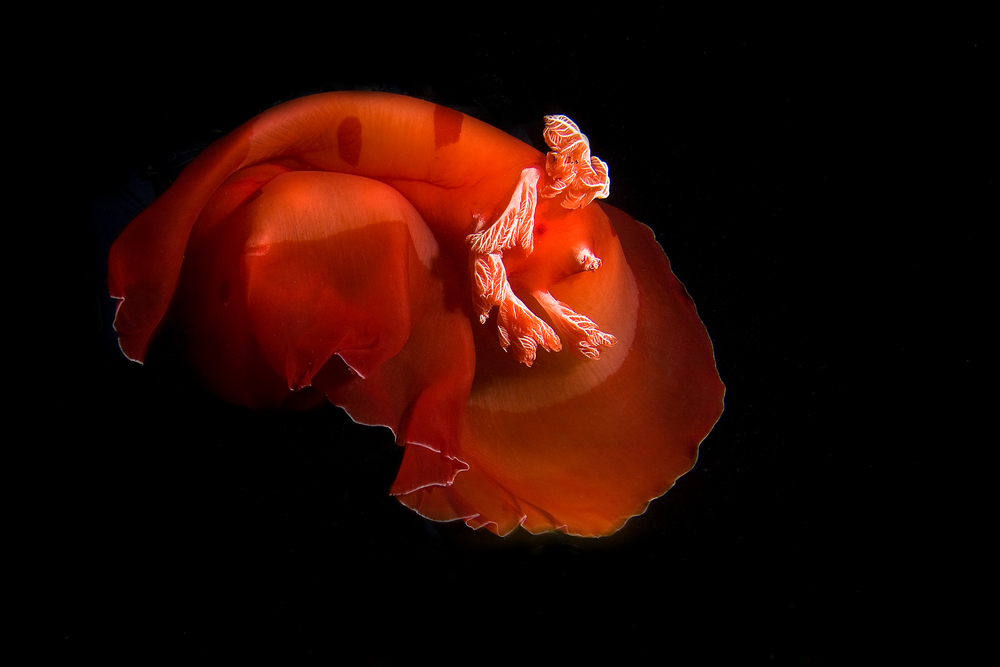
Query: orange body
(338,225)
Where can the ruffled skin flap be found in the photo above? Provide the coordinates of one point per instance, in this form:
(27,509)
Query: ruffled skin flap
(316,265)
(573,451)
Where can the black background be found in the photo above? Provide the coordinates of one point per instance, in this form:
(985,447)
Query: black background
(814,193)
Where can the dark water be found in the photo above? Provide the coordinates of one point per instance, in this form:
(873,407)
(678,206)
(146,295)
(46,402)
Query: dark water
(773,176)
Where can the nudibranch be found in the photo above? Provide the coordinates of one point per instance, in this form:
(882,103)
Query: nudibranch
(407,262)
